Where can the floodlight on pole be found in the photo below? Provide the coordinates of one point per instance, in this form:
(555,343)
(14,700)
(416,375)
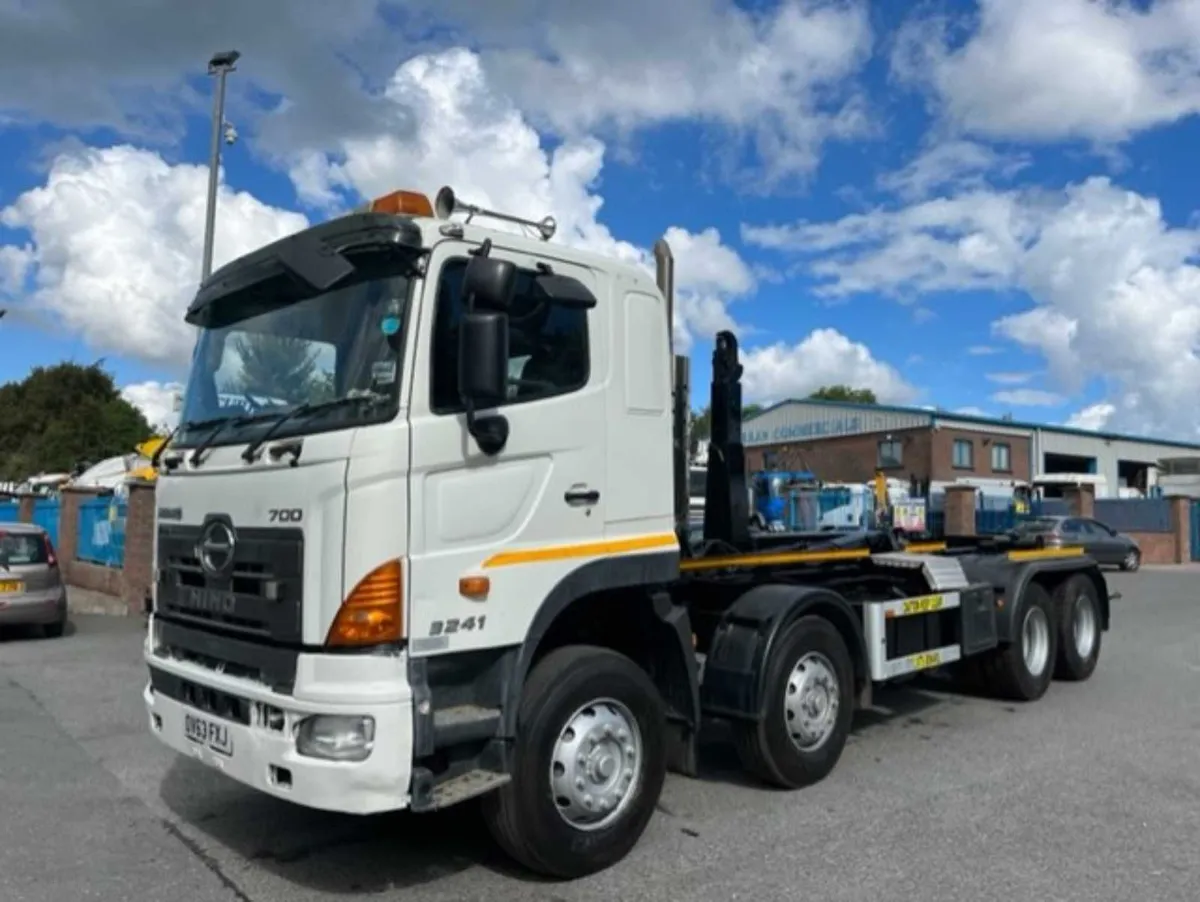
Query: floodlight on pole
(220,65)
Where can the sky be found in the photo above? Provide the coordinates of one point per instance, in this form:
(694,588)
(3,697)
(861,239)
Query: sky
(985,206)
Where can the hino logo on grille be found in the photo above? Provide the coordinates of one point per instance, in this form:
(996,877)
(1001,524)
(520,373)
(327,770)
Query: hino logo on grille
(215,549)
(207,601)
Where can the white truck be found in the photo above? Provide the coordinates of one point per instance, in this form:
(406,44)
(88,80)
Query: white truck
(455,560)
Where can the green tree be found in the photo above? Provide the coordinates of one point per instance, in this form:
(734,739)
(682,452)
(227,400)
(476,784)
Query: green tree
(845,394)
(60,416)
(276,366)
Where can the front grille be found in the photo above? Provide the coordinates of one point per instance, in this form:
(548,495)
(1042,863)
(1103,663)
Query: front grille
(259,596)
(203,698)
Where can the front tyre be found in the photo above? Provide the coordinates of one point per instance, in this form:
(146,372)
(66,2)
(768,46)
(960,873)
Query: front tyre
(588,764)
(809,707)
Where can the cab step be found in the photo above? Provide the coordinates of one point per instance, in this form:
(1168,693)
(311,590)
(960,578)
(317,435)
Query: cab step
(464,723)
(458,789)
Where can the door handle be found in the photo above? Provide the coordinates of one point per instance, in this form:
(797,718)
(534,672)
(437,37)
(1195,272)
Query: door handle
(581,496)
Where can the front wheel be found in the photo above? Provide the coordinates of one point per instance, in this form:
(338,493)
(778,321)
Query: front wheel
(809,707)
(588,765)
(1132,560)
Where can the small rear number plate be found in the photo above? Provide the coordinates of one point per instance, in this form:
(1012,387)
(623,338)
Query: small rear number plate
(211,733)
(925,660)
(10,586)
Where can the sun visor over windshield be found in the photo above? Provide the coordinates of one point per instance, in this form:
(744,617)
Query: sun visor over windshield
(301,265)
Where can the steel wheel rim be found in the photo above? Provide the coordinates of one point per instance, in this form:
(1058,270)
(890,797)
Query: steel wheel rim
(596,765)
(1131,560)
(1035,636)
(1084,626)
(811,702)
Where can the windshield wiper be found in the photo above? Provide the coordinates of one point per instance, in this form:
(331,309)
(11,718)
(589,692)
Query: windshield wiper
(303,410)
(184,424)
(219,425)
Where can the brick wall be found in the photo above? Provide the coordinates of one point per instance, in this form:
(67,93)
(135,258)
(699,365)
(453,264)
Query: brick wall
(849,458)
(942,455)
(138,572)
(926,453)
(1174,547)
(129,583)
(1157,547)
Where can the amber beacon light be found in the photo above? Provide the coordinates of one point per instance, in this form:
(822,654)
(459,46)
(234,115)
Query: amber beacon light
(402,203)
(373,612)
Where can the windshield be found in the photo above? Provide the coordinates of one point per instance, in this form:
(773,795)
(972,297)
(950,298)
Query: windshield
(312,350)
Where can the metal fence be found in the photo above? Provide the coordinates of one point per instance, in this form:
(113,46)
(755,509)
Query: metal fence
(101,534)
(45,515)
(996,515)
(810,510)
(10,511)
(1134,514)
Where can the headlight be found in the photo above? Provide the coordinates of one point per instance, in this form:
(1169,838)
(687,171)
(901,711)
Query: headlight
(336,737)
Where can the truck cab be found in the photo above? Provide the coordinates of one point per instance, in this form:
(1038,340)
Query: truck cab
(354,509)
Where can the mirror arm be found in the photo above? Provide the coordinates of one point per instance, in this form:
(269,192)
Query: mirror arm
(490,432)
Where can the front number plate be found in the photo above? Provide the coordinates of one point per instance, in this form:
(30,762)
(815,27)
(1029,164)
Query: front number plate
(208,732)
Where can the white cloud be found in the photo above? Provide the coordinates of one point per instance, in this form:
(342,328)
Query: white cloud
(1094,417)
(951,164)
(779,78)
(1009,378)
(1028,397)
(971,411)
(1067,69)
(967,241)
(14,267)
(115,234)
(1115,287)
(133,66)
(825,357)
(115,245)
(774,82)
(467,135)
(156,401)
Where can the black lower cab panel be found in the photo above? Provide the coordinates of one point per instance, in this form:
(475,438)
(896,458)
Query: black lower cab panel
(268,664)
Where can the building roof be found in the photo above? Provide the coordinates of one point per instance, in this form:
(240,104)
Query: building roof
(971,418)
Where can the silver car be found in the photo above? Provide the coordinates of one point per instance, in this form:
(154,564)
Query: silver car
(1103,543)
(32,591)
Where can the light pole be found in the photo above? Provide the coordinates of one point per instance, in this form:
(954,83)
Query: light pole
(220,65)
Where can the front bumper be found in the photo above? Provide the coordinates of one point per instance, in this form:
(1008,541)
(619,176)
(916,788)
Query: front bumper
(31,608)
(262,753)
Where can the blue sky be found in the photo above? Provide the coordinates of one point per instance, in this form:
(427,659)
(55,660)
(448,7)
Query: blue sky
(981,206)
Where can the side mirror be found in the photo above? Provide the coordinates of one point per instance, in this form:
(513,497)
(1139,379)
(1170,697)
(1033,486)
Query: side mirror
(483,358)
(490,283)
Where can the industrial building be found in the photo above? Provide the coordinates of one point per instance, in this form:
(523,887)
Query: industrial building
(841,442)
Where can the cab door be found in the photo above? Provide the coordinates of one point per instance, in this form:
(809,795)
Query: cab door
(491,535)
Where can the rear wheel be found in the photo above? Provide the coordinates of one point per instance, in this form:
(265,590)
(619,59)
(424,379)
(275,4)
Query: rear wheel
(1079,632)
(1023,669)
(809,707)
(588,765)
(54,630)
